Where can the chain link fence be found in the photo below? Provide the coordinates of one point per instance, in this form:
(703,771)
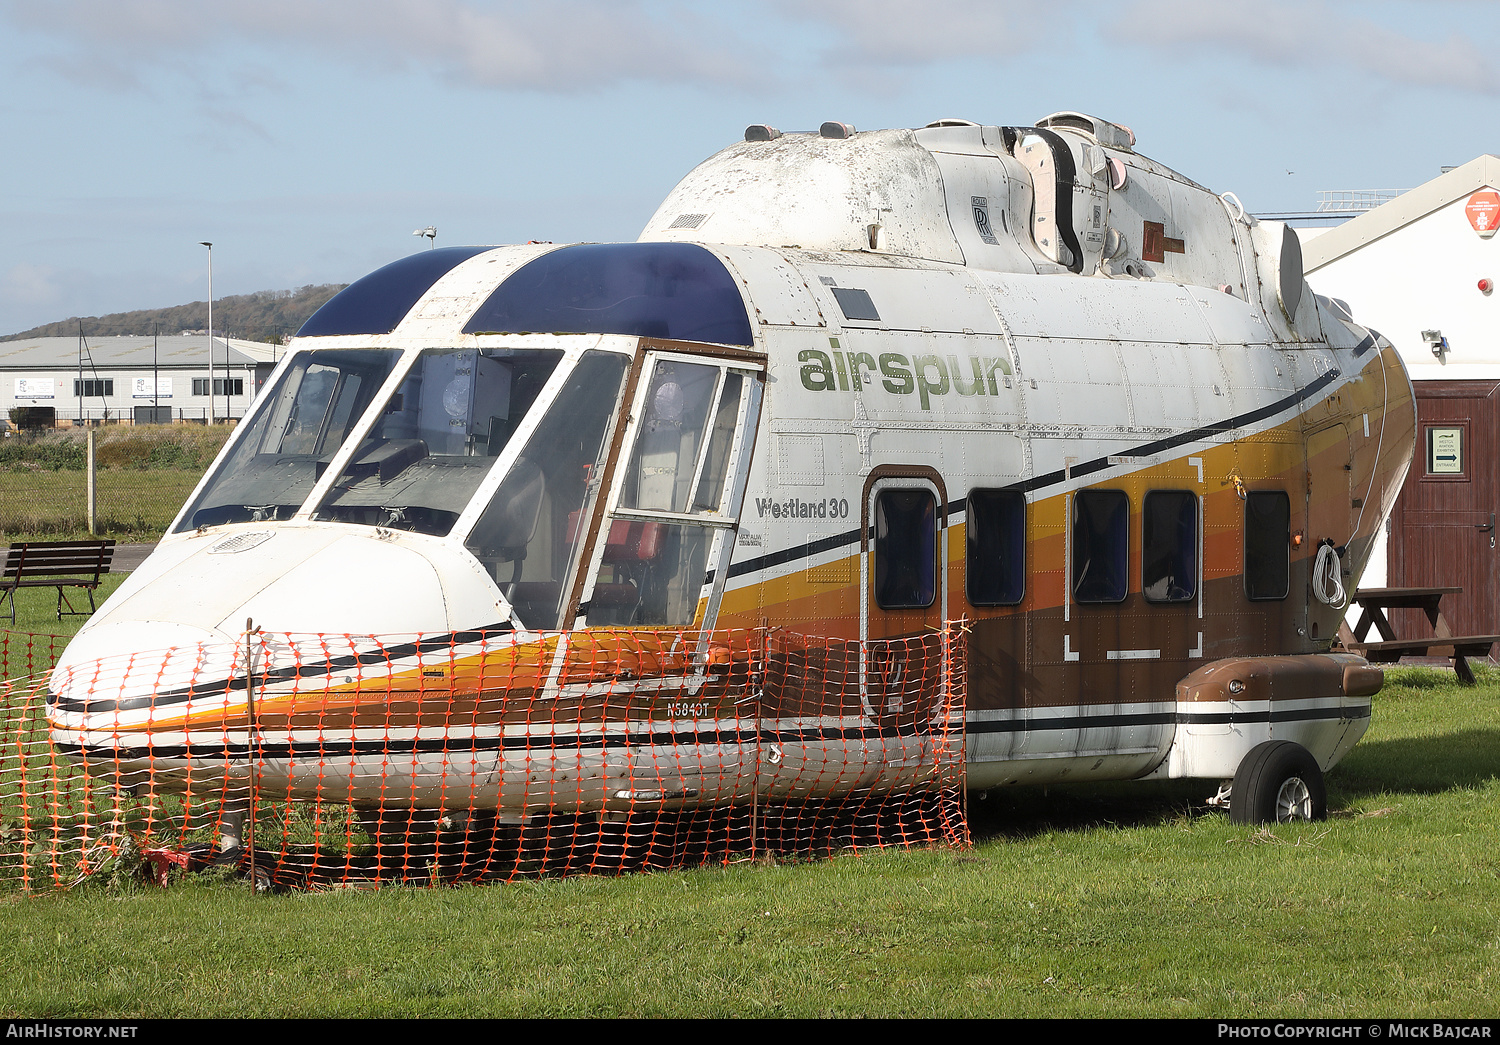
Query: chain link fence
(143,475)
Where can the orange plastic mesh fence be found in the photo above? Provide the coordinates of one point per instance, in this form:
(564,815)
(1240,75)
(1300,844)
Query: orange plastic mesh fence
(322,760)
(23,655)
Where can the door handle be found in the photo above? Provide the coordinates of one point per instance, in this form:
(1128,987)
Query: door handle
(1486,528)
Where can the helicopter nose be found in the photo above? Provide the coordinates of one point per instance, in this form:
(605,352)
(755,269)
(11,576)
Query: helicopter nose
(117,667)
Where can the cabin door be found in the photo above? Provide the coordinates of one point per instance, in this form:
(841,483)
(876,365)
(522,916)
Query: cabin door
(1443,531)
(678,486)
(1331,513)
(903,591)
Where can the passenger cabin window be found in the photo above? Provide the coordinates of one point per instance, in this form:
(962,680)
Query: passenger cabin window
(1268,544)
(1169,546)
(1100,535)
(995,561)
(905,548)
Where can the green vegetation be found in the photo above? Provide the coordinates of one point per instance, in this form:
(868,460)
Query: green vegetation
(1119,900)
(145,473)
(36,608)
(118,446)
(268,315)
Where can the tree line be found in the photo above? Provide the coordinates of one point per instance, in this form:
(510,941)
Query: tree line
(267,315)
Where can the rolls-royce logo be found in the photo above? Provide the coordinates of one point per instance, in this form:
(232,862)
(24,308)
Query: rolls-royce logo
(981,205)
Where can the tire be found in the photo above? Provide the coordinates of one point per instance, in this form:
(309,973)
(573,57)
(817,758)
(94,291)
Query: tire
(1278,782)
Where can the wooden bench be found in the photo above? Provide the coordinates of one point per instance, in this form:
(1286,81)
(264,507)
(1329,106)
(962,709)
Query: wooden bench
(56,564)
(1373,603)
(1461,647)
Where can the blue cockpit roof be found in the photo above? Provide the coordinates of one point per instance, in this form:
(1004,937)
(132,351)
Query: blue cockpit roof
(376,303)
(677,291)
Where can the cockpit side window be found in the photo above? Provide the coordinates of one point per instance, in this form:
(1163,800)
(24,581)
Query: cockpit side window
(529,533)
(675,508)
(664,464)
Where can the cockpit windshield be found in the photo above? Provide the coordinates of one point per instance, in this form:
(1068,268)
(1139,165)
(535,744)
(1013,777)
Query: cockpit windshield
(433,442)
(292,437)
(427,450)
(437,438)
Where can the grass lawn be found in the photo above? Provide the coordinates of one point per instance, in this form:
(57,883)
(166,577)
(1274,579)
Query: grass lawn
(36,608)
(1119,900)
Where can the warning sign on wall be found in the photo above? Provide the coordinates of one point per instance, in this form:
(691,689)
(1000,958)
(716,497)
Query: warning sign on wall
(1483,210)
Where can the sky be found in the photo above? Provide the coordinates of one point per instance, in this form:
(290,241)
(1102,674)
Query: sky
(307,139)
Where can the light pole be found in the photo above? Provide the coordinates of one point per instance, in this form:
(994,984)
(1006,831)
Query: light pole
(430,232)
(210,247)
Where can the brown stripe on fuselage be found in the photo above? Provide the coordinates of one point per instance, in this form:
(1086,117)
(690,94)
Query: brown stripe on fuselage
(1016,654)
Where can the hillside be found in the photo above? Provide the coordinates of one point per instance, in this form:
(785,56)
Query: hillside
(267,315)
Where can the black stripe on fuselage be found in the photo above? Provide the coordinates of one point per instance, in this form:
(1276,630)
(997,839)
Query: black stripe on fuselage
(312,669)
(1039,482)
(319,750)
(1040,724)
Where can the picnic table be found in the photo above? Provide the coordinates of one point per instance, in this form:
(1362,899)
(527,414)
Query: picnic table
(1373,604)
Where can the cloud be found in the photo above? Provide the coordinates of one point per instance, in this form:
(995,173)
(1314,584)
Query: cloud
(27,286)
(520,44)
(573,46)
(901,33)
(1314,33)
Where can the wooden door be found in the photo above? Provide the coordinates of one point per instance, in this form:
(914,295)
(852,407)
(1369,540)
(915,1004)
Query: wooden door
(1442,529)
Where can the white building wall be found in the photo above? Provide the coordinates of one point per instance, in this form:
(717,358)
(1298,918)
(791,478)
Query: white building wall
(122,402)
(1424,276)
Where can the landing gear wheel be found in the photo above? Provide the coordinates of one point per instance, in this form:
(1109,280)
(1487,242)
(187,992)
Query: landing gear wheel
(1278,782)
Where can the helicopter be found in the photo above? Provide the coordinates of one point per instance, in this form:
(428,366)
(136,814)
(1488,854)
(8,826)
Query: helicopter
(550,500)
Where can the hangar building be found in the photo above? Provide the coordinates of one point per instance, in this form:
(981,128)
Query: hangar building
(134,378)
